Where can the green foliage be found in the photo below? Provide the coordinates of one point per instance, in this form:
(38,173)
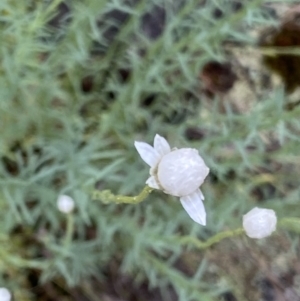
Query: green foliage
(69,118)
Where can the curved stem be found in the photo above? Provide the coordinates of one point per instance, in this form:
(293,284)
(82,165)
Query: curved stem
(194,241)
(289,223)
(191,240)
(107,197)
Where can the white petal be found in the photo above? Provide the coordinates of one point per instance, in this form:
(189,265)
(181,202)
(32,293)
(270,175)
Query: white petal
(151,182)
(194,206)
(5,294)
(202,196)
(147,153)
(161,145)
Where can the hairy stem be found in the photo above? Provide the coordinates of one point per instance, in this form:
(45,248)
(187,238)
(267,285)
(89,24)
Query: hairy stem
(107,197)
(191,240)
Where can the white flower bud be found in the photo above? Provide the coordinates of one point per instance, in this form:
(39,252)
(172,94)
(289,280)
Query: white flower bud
(65,204)
(5,294)
(181,172)
(259,222)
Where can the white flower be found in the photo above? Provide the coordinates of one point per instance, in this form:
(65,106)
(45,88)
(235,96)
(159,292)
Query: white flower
(5,294)
(259,222)
(178,172)
(65,204)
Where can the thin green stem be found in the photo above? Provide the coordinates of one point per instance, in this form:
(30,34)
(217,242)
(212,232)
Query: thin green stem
(290,224)
(107,197)
(191,240)
(69,231)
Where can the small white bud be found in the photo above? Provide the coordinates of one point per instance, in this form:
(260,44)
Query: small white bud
(181,172)
(259,222)
(65,204)
(5,294)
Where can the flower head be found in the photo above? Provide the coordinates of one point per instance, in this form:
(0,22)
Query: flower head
(65,204)
(178,172)
(5,294)
(259,222)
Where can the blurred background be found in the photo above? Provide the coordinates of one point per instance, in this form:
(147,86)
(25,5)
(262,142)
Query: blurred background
(80,81)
